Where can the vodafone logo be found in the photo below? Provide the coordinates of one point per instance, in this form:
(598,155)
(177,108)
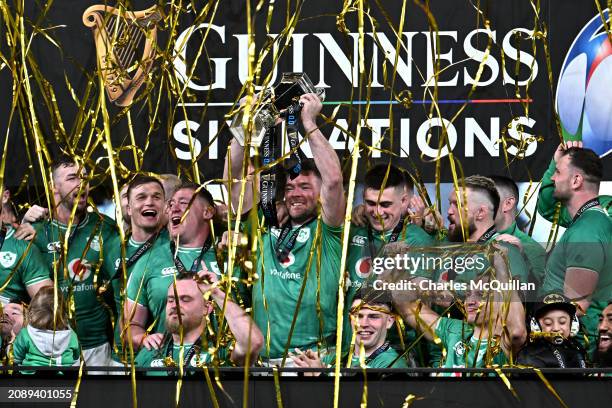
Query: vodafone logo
(79,270)
(288,261)
(363,267)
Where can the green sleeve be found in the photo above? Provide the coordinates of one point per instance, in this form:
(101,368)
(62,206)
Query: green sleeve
(144,358)
(40,239)
(547,204)
(588,249)
(33,269)
(443,327)
(20,346)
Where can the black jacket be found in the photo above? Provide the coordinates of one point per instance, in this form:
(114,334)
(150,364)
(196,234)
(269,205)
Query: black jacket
(542,353)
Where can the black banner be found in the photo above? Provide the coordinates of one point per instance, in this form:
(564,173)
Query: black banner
(504,123)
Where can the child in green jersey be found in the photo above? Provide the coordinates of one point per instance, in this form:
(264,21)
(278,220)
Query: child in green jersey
(47,339)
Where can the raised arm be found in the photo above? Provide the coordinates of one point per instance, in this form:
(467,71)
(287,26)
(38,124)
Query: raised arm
(327,162)
(236,157)
(249,339)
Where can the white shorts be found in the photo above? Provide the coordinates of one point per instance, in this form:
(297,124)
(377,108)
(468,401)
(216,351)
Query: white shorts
(98,357)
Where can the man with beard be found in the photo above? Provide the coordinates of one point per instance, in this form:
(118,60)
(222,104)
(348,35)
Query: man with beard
(11,322)
(547,202)
(84,234)
(603,355)
(580,266)
(189,250)
(187,309)
(471,217)
(295,298)
(144,208)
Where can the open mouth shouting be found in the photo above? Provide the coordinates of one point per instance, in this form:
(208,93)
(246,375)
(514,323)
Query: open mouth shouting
(605,341)
(149,214)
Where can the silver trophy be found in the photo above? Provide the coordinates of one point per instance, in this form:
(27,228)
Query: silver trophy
(288,91)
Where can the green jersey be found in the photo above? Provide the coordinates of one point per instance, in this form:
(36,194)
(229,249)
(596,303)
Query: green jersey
(36,347)
(535,253)
(359,263)
(21,265)
(587,244)
(153,273)
(281,278)
(389,358)
(112,262)
(360,253)
(79,276)
(463,350)
(547,204)
(192,357)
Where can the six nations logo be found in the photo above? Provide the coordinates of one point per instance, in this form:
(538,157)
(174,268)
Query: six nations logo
(583,92)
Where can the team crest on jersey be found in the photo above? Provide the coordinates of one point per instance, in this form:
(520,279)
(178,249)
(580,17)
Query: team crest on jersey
(304,235)
(459,348)
(359,240)
(288,261)
(79,270)
(363,267)
(54,247)
(169,271)
(95,244)
(7,259)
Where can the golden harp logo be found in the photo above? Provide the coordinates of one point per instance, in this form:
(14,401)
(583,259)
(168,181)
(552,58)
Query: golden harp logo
(125,46)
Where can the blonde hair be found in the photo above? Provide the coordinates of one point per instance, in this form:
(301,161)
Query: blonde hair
(40,314)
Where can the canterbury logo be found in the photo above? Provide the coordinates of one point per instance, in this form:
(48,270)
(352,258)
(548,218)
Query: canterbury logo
(125,46)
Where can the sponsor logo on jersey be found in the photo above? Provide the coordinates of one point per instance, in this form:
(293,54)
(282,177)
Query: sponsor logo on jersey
(363,267)
(79,270)
(285,274)
(158,362)
(288,261)
(169,271)
(7,259)
(359,240)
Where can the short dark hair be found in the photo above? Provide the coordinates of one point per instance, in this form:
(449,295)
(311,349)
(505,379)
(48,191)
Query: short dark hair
(201,192)
(506,184)
(375,177)
(62,161)
(370,296)
(587,161)
(485,186)
(141,179)
(308,166)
